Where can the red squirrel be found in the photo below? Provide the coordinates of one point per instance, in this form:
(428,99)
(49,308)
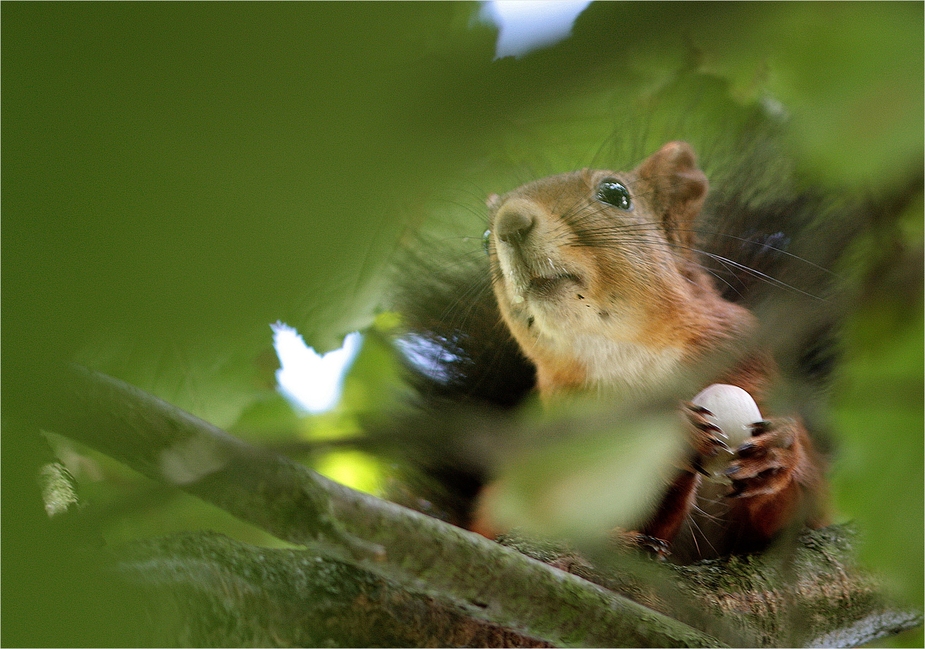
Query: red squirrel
(596,278)
(592,308)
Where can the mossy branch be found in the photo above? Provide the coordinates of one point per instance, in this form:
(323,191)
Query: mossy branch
(217,592)
(424,555)
(467,586)
(209,590)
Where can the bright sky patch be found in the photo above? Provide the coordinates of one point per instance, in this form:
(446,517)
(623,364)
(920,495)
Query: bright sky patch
(527,25)
(310,381)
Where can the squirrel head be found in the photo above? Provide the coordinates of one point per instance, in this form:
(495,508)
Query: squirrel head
(595,272)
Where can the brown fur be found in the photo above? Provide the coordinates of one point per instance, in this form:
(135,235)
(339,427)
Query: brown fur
(603,297)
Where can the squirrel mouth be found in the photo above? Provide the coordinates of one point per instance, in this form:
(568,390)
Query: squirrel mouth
(546,286)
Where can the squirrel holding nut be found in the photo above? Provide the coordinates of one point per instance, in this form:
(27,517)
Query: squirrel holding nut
(598,285)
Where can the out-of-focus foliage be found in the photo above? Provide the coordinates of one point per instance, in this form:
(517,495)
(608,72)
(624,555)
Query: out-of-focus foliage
(178,176)
(581,486)
(877,474)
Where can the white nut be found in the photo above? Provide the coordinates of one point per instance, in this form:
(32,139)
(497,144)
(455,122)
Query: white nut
(734,411)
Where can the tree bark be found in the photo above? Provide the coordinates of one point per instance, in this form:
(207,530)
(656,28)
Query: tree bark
(222,592)
(420,581)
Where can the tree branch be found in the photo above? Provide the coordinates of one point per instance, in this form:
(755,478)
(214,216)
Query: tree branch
(222,592)
(805,591)
(424,555)
(391,562)
(219,592)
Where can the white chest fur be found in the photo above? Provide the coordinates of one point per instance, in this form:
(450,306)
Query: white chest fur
(624,365)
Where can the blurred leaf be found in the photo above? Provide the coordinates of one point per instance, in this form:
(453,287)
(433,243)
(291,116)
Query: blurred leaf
(878,473)
(584,484)
(352,468)
(178,176)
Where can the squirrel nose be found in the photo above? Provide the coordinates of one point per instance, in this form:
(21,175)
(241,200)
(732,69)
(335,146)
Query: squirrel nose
(514,221)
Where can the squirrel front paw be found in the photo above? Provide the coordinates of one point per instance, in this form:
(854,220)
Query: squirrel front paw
(631,539)
(764,464)
(707,440)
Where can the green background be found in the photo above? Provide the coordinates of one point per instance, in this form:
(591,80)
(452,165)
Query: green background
(178,176)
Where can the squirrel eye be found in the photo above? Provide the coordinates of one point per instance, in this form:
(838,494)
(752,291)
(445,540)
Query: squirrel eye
(486,239)
(614,193)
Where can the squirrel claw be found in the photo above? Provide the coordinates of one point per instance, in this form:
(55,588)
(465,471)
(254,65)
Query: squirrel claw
(709,427)
(656,547)
(749,450)
(761,427)
(767,482)
(652,545)
(706,438)
(700,410)
(698,467)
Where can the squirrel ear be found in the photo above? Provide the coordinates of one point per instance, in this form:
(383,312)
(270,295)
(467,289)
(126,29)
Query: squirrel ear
(678,187)
(493,201)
